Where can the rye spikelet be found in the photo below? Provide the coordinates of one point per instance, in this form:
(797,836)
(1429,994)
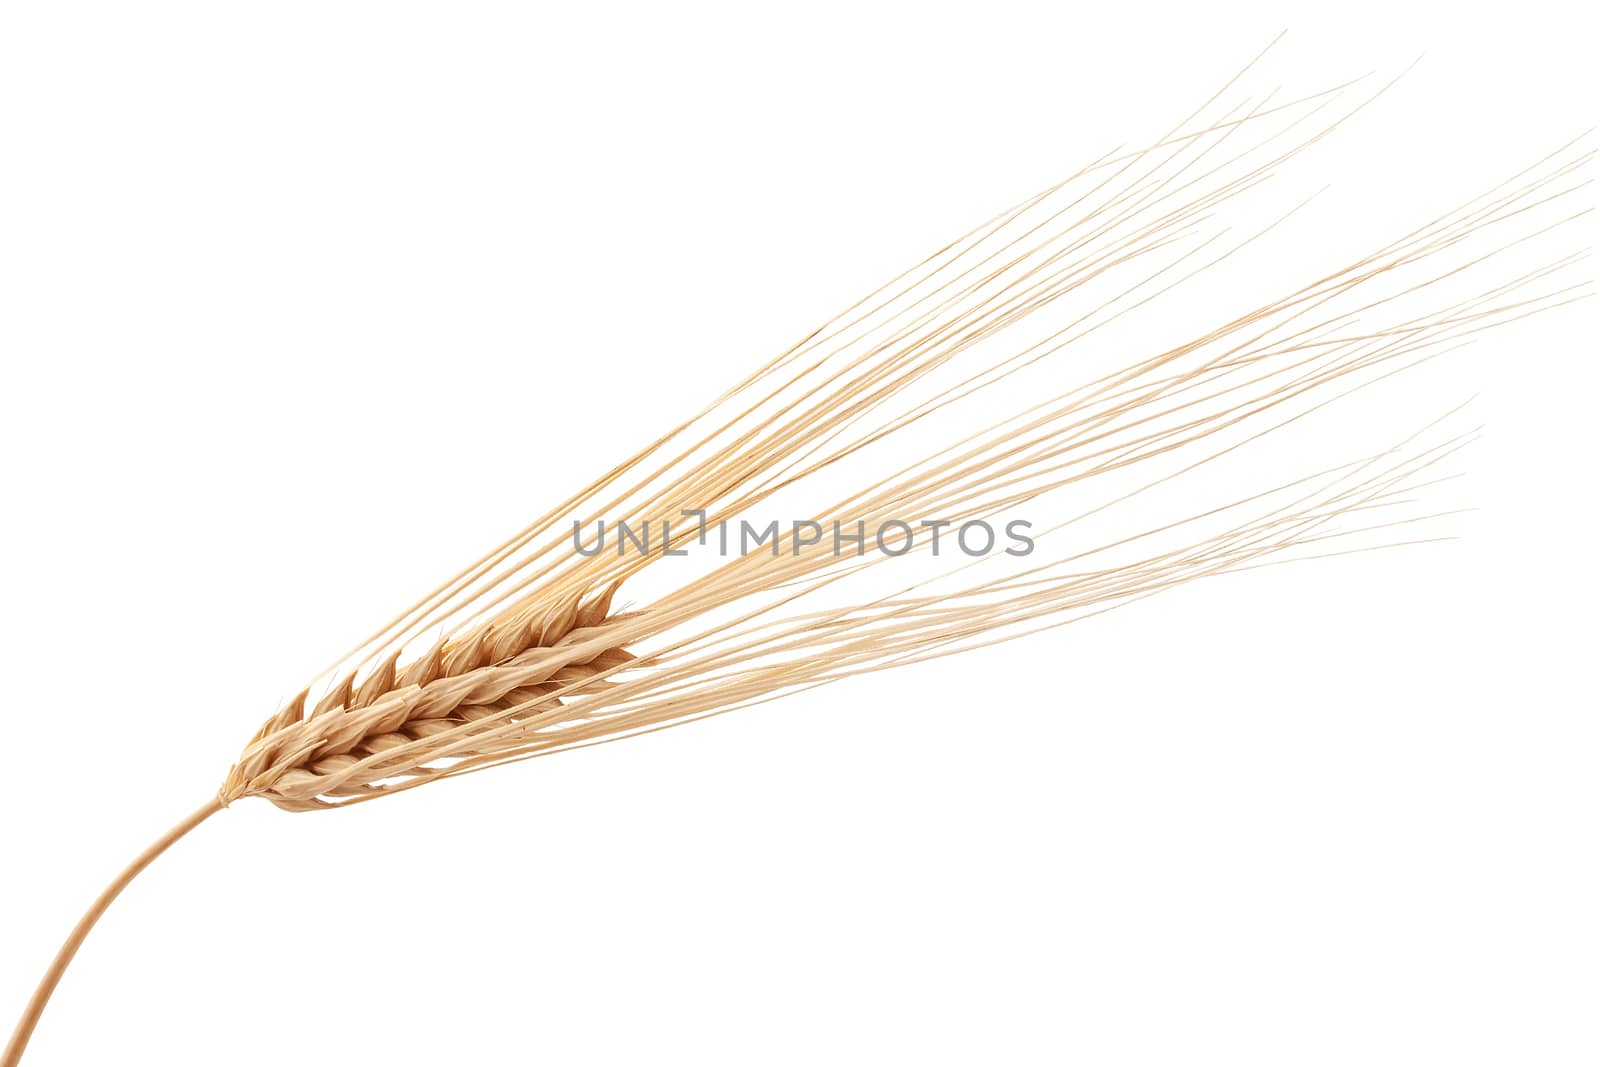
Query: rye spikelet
(530,657)
(493,682)
(530,650)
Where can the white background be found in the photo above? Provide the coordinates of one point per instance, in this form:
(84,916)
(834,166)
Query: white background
(302,306)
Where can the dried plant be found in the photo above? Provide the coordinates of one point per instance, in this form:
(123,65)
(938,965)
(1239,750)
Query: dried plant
(526,652)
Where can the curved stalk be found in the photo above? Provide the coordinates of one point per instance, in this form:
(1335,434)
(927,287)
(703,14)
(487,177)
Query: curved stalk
(41,996)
